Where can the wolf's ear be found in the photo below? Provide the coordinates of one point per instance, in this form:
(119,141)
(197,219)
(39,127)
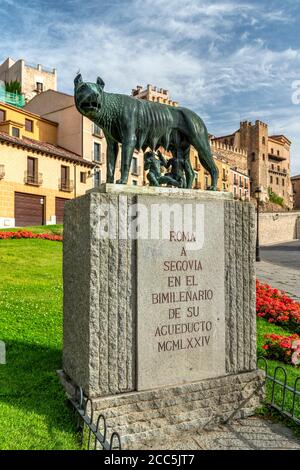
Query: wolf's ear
(100,82)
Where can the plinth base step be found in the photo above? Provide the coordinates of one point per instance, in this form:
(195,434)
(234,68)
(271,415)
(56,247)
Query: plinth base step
(141,417)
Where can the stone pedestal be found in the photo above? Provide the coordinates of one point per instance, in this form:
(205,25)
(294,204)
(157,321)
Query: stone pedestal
(159,306)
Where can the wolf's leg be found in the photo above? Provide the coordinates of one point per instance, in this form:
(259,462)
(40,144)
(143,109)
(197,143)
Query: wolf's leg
(206,159)
(188,170)
(128,147)
(112,153)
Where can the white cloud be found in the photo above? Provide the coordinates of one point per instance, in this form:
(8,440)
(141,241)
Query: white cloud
(187,47)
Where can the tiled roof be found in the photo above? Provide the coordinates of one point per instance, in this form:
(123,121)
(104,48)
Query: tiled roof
(279,137)
(44,147)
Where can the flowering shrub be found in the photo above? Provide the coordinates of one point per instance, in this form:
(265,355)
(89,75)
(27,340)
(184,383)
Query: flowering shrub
(26,234)
(283,348)
(276,307)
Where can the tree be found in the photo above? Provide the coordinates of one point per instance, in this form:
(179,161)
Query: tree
(13,87)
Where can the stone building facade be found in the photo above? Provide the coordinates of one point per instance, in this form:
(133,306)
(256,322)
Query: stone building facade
(268,158)
(79,135)
(296,191)
(236,157)
(153,93)
(37,176)
(34,79)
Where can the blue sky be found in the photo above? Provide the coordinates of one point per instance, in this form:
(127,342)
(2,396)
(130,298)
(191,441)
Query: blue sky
(227,60)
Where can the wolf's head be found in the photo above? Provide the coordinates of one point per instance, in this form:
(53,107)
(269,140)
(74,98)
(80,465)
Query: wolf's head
(88,96)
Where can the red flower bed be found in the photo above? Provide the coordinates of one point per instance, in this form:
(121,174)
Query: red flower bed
(276,307)
(26,234)
(283,348)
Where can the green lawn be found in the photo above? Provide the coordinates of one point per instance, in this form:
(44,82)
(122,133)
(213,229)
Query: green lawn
(33,412)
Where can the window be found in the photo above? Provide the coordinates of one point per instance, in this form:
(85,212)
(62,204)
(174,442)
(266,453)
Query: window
(97,130)
(224,174)
(271,179)
(134,182)
(272,166)
(134,166)
(39,87)
(278,153)
(82,177)
(224,186)
(264,140)
(28,125)
(264,157)
(253,156)
(97,152)
(2,115)
(97,179)
(277,180)
(272,151)
(206,182)
(196,180)
(65,177)
(32,166)
(15,132)
(282,181)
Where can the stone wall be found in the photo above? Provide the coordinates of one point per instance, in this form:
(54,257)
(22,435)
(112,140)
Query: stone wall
(278,227)
(235,156)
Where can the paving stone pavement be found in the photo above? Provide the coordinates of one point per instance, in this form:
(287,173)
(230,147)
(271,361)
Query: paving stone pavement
(280,277)
(253,433)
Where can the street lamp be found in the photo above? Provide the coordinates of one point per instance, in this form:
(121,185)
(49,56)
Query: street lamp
(257,195)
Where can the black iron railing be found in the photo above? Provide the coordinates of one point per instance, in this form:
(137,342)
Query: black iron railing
(279,395)
(93,436)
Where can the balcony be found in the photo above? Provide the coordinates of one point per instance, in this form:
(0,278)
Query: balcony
(98,157)
(275,171)
(13,99)
(33,180)
(277,158)
(66,185)
(2,172)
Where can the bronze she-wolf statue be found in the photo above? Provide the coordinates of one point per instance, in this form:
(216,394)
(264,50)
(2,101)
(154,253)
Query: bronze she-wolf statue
(140,124)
